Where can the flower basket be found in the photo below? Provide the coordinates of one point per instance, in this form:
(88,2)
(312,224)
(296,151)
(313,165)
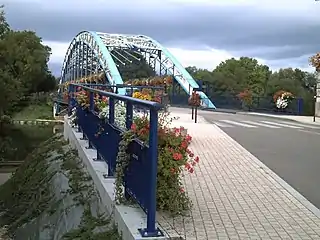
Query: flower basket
(194,100)
(315,61)
(174,157)
(282,99)
(246,99)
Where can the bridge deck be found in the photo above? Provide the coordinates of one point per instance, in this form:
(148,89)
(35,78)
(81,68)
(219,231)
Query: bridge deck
(235,196)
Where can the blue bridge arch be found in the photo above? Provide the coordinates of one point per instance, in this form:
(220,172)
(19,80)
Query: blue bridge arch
(92,52)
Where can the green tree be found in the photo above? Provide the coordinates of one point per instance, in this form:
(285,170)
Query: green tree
(235,75)
(4,26)
(47,84)
(132,65)
(23,65)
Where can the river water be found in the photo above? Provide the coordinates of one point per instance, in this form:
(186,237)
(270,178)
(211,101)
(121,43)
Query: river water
(24,139)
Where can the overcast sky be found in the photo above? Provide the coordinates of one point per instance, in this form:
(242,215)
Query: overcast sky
(280,33)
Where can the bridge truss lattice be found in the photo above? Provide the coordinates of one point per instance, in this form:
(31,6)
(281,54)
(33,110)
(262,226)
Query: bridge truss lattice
(95,52)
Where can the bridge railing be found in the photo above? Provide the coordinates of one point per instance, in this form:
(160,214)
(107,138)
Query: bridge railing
(140,178)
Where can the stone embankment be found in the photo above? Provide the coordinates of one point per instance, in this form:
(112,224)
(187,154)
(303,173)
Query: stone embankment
(51,196)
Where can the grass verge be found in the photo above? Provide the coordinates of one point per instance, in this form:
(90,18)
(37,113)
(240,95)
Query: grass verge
(35,111)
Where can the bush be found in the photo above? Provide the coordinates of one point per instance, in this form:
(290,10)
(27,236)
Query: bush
(174,157)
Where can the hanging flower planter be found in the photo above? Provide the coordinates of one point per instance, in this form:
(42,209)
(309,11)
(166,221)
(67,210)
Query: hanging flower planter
(246,99)
(194,100)
(282,99)
(315,61)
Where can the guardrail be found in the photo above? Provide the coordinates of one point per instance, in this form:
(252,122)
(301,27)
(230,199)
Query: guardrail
(140,178)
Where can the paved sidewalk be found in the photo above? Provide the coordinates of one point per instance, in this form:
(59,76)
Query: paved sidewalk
(235,196)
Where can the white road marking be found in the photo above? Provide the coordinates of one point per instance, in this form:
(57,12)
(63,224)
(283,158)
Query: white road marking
(301,125)
(260,124)
(306,131)
(223,125)
(281,125)
(238,123)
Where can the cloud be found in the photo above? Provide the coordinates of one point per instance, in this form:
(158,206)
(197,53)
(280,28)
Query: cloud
(277,32)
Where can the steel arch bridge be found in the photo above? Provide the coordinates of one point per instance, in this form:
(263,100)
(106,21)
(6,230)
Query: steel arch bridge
(95,52)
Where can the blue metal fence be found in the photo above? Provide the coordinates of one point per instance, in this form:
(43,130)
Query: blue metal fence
(260,104)
(140,178)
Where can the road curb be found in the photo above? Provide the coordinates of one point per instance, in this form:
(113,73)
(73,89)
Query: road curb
(219,110)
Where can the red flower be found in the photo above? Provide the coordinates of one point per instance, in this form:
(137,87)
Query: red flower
(187,166)
(196,159)
(142,131)
(184,144)
(133,127)
(177,156)
(181,190)
(170,149)
(188,138)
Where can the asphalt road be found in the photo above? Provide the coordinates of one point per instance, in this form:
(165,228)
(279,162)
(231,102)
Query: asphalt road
(290,149)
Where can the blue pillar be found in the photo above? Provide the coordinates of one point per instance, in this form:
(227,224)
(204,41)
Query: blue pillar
(71,100)
(129,115)
(151,230)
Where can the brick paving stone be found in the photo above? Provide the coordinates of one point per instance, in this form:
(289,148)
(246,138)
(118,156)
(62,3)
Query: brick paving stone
(234,195)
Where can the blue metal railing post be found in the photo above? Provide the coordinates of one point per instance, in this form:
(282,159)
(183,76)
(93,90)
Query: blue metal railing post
(111,121)
(91,98)
(91,108)
(70,98)
(129,115)
(111,110)
(151,229)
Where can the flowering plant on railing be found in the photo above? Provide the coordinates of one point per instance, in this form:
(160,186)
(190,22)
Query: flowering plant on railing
(119,114)
(282,99)
(93,78)
(174,158)
(315,61)
(83,98)
(194,100)
(246,98)
(101,102)
(142,95)
(149,94)
(154,81)
(157,96)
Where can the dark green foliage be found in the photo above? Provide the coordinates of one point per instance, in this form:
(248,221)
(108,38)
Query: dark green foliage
(136,69)
(23,66)
(17,141)
(233,76)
